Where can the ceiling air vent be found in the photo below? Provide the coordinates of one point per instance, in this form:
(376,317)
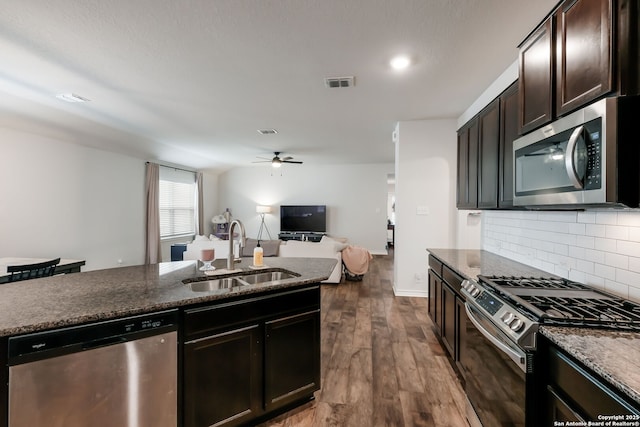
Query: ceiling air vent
(267,131)
(339,82)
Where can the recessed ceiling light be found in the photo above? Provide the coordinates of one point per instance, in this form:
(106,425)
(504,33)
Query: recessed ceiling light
(400,62)
(71,97)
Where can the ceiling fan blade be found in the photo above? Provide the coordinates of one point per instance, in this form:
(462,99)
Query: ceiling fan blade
(291,161)
(262,161)
(284,159)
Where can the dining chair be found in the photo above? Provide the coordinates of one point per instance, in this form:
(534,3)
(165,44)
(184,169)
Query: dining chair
(32,271)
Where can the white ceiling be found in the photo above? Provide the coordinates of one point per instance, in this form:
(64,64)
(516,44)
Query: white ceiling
(190,82)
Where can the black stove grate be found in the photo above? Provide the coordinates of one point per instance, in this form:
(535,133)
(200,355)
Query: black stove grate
(552,306)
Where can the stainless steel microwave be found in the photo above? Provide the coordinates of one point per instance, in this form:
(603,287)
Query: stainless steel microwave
(590,157)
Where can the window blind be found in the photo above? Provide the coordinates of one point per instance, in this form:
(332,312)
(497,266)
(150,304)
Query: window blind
(178,193)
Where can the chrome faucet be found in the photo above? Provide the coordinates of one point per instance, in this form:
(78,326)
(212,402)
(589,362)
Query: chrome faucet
(230,258)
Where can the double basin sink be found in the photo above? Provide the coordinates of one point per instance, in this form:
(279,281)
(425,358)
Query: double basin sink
(240,279)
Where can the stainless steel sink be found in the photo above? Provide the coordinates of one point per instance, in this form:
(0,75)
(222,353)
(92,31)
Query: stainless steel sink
(215,284)
(270,276)
(242,279)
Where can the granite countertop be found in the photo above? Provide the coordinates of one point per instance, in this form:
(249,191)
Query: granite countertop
(71,299)
(471,263)
(611,354)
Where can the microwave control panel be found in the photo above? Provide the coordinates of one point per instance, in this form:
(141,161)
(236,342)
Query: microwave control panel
(593,141)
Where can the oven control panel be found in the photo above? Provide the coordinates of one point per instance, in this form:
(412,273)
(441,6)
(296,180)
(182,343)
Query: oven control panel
(501,313)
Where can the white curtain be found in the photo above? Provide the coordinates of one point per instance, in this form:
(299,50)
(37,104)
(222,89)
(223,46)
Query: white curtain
(199,206)
(153,251)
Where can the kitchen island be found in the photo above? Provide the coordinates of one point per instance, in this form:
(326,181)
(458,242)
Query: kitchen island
(606,357)
(272,327)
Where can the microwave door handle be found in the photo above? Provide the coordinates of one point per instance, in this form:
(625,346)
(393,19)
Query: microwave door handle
(569,158)
(518,358)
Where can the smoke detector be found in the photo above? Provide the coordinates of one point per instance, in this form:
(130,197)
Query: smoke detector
(339,82)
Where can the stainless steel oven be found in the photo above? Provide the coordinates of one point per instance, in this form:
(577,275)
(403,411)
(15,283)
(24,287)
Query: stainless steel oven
(501,349)
(587,158)
(498,370)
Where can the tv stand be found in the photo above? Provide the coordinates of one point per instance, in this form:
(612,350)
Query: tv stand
(310,236)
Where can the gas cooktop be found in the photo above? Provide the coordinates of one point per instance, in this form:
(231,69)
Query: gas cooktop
(563,302)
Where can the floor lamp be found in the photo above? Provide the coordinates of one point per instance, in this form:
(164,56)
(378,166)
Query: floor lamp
(262,210)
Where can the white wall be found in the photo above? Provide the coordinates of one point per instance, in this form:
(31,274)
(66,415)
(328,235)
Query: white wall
(426,215)
(355,195)
(598,248)
(60,199)
(63,200)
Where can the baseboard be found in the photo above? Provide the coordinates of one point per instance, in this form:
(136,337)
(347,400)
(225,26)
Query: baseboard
(379,252)
(410,293)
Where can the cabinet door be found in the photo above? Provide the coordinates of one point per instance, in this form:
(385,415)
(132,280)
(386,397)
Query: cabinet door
(292,359)
(508,133)
(435,289)
(462,323)
(488,155)
(535,81)
(449,319)
(583,52)
(223,378)
(467,194)
(558,409)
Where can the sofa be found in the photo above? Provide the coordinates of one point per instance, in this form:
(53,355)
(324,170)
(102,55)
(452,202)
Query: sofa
(326,248)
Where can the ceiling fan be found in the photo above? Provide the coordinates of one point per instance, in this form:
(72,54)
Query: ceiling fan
(277,161)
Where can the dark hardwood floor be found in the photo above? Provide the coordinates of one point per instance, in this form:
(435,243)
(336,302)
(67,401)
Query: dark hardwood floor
(381,363)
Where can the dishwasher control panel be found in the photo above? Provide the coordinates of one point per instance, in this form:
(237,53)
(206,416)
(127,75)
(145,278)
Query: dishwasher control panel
(25,348)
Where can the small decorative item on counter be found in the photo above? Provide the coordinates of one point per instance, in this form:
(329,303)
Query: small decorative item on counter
(257,255)
(207,256)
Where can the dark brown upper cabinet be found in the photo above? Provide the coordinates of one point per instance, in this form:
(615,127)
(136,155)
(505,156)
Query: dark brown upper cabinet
(467,193)
(488,155)
(508,133)
(584,50)
(536,78)
(584,36)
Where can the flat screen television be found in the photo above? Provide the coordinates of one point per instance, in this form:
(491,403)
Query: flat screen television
(303,219)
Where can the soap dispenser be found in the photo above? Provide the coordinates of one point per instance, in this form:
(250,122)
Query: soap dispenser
(257,255)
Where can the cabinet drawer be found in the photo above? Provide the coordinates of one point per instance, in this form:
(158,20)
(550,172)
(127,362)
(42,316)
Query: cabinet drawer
(452,278)
(435,265)
(587,394)
(226,315)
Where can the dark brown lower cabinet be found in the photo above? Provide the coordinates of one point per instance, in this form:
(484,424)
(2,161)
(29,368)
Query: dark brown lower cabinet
(572,392)
(435,291)
(462,323)
(223,378)
(449,319)
(247,359)
(292,359)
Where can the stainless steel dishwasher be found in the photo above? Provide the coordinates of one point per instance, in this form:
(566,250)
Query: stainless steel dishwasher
(113,373)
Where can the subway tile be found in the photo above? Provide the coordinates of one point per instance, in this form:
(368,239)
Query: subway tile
(596,230)
(627,277)
(617,288)
(634,292)
(634,234)
(587,217)
(616,260)
(561,249)
(577,252)
(628,248)
(634,265)
(610,218)
(594,256)
(606,245)
(577,276)
(586,242)
(617,232)
(595,281)
(604,271)
(629,218)
(585,266)
(579,229)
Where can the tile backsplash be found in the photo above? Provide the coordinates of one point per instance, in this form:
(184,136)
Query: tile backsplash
(600,248)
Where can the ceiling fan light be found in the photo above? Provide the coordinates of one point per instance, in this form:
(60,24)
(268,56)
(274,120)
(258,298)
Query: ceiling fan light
(276,163)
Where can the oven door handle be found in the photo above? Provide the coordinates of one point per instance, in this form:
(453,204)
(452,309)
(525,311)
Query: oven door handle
(518,358)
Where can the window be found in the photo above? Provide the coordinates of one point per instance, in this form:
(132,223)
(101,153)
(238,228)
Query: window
(178,192)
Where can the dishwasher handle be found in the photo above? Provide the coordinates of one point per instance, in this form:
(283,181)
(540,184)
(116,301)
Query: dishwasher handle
(103,342)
